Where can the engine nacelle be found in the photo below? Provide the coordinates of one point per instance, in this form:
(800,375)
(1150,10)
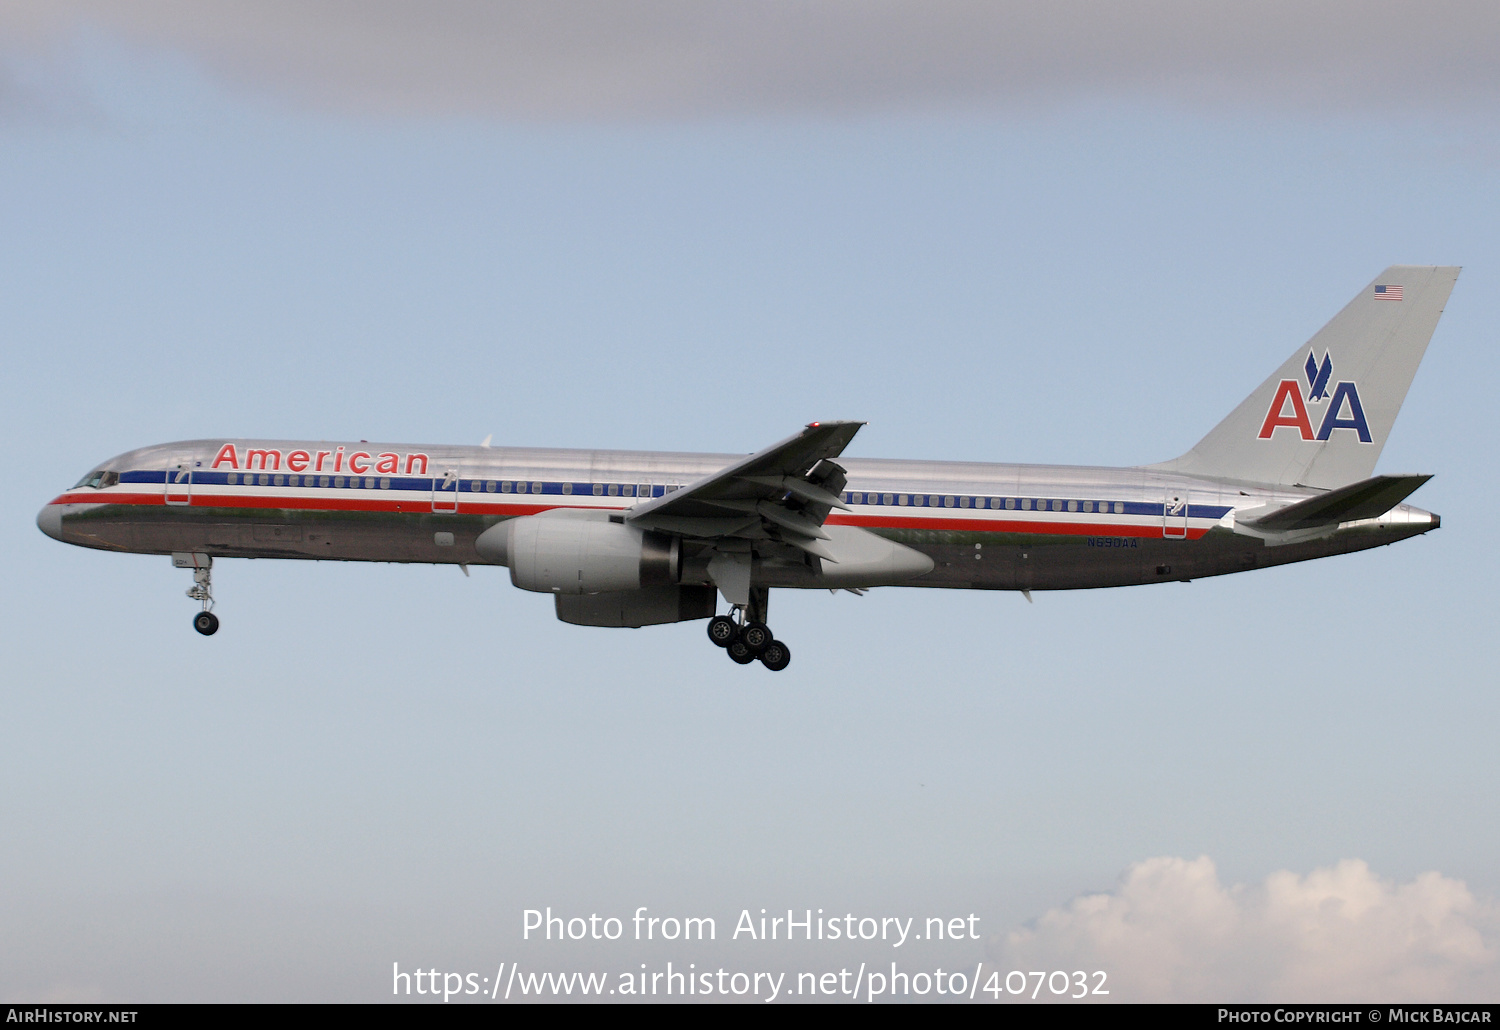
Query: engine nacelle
(650,606)
(570,552)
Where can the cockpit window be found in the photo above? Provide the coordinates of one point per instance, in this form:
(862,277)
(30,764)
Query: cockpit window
(98,479)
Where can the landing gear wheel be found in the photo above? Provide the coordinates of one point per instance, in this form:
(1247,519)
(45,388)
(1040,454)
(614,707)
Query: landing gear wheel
(756,636)
(722,630)
(206,623)
(739,653)
(776,656)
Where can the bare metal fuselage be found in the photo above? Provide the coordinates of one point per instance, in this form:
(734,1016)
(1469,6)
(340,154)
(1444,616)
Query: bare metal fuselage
(984,526)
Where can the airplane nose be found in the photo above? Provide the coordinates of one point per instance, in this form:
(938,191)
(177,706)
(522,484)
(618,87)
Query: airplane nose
(49,521)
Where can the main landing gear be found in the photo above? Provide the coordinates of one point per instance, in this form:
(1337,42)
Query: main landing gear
(747,638)
(205,622)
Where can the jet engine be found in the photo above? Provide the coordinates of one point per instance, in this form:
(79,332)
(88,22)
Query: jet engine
(573,552)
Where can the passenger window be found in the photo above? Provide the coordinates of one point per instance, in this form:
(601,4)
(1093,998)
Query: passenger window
(505,487)
(490,485)
(598,489)
(265,480)
(901,499)
(385,483)
(1026,504)
(338,481)
(947,502)
(1088,505)
(1119,508)
(1010,502)
(567,488)
(280,479)
(887,499)
(536,487)
(1072,505)
(963,502)
(614,489)
(293,480)
(234,477)
(322,480)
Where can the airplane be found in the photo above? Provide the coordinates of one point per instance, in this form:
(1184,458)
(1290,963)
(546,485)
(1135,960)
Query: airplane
(635,538)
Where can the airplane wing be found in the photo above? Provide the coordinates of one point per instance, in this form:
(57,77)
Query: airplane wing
(784,492)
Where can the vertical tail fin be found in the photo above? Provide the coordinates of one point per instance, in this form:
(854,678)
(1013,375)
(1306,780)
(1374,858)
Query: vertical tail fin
(1323,416)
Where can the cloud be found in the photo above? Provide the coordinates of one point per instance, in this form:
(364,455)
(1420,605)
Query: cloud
(601,59)
(1171,931)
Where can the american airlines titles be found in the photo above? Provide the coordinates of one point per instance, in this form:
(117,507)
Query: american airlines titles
(358,462)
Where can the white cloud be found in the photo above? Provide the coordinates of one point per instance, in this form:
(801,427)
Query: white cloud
(1171,931)
(675,58)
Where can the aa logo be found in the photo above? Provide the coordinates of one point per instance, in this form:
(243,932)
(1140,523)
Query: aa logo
(1343,410)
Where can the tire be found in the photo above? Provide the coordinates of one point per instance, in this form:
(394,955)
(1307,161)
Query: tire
(206,623)
(722,630)
(739,653)
(756,636)
(776,656)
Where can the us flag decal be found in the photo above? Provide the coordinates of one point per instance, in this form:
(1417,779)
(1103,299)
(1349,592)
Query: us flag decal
(1387,293)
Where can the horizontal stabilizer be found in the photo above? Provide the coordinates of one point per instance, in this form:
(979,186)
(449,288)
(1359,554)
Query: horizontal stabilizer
(1367,499)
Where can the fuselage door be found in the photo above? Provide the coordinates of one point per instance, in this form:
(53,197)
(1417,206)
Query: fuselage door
(1174,515)
(179,483)
(445,492)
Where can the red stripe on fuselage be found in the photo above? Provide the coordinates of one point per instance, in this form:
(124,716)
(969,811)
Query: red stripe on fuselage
(403,506)
(470,505)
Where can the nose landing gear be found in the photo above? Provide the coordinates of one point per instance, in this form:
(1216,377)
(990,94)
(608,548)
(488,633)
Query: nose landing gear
(202,590)
(746,637)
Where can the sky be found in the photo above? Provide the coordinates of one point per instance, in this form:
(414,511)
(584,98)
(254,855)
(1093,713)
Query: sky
(1072,235)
